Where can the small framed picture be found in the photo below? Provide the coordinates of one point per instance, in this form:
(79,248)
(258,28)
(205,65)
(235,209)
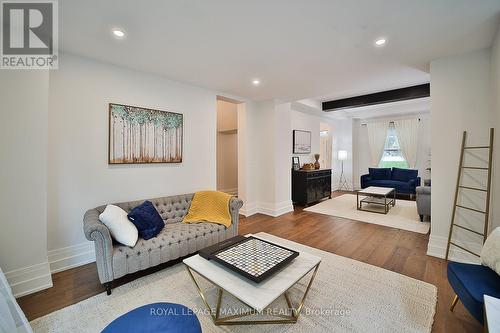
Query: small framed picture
(295,163)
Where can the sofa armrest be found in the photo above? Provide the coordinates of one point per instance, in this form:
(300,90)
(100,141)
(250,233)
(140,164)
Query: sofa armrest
(423,190)
(364,179)
(97,232)
(415,182)
(424,200)
(234,208)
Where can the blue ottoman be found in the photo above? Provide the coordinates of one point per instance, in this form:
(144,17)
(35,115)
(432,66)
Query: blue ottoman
(156,318)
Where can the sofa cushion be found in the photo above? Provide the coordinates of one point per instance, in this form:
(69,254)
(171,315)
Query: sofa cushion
(404,175)
(146,219)
(120,228)
(399,186)
(380,173)
(174,241)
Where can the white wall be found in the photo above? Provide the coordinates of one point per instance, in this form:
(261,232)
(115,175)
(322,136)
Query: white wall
(79,175)
(271,157)
(325,145)
(264,152)
(495,76)
(362,149)
(283,159)
(460,100)
(344,135)
(23,180)
(248,163)
(306,122)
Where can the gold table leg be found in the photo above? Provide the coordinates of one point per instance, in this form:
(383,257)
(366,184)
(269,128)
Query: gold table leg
(229,320)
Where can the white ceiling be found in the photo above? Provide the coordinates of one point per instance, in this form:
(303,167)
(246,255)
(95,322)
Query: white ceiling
(297,48)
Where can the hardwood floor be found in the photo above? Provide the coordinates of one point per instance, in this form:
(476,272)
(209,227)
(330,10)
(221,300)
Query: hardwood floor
(393,249)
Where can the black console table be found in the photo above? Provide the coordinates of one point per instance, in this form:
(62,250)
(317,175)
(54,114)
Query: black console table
(310,186)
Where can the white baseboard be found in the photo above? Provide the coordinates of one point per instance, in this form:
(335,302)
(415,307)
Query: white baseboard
(71,256)
(249,209)
(275,209)
(266,208)
(437,248)
(29,279)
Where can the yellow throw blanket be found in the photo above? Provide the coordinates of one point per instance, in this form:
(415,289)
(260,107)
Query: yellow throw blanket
(209,206)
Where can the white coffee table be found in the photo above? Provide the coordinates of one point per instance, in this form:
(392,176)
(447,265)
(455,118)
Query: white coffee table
(374,195)
(256,296)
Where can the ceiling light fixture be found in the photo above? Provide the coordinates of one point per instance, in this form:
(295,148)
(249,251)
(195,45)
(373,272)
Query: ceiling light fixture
(118,33)
(256,82)
(380,42)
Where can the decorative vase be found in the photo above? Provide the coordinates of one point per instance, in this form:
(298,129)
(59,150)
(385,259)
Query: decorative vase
(316,164)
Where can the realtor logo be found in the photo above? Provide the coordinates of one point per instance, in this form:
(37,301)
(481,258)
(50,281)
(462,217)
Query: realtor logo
(29,35)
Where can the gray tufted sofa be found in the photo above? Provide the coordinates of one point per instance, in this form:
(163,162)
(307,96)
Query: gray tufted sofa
(176,240)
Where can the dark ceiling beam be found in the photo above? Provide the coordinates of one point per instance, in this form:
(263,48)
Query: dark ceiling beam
(388,96)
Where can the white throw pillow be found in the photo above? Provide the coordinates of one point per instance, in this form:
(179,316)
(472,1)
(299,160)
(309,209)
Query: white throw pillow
(121,229)
(490,254)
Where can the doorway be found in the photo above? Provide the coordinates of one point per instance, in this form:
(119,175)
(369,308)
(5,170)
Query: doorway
(325,146)
(227,146)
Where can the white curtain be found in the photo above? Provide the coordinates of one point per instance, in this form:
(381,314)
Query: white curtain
(407,132)
(377,134)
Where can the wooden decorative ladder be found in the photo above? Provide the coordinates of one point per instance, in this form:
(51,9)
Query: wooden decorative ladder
(459,187)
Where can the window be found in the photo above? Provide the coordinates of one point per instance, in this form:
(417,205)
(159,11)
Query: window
(392,156)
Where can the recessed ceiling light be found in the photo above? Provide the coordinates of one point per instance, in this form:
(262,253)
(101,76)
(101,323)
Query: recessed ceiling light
(256,82)
(118,33)
(380,42)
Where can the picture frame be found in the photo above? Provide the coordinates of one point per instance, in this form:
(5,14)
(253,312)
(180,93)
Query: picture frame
(295,163)
(139,135)
(301,142)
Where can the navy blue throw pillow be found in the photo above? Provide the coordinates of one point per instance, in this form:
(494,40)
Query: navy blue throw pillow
(380,173)
(146,219)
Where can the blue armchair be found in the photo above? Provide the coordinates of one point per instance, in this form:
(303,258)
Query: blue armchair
(405,181)
(470,283)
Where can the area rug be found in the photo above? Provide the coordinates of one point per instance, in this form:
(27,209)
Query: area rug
(402,216)
(346,296)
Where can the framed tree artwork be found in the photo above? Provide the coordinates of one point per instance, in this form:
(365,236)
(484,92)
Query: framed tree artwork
(140,135)
(301,142)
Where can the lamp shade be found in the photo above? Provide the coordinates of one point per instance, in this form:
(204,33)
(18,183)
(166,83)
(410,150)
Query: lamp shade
(342,155)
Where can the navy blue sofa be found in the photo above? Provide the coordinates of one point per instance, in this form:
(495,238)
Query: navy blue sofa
(405,181)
